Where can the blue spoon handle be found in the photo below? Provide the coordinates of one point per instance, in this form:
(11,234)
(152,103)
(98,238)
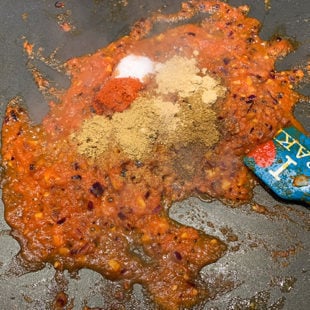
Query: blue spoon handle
(283,164)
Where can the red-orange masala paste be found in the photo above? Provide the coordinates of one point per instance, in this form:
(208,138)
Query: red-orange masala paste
(107,210)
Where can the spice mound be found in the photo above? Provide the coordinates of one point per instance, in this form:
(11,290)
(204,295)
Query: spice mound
(147,121)
(174,113)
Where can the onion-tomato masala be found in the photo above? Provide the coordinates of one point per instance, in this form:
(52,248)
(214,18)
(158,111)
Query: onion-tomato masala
(148,120)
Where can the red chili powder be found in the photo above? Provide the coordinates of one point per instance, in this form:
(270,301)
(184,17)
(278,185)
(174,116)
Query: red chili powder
(117,94)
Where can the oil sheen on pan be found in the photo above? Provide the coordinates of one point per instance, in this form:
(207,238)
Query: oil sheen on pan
(149,120)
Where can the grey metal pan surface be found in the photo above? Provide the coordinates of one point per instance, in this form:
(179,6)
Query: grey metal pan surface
(267,264)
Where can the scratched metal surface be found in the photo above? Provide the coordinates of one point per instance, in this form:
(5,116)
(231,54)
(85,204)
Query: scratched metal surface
(254,276)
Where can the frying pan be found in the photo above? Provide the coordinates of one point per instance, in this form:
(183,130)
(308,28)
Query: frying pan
(267,263)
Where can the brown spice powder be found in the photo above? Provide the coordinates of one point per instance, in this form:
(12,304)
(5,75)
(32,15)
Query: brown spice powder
(178,75)
(148,121)
(182,76)
(197,124)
